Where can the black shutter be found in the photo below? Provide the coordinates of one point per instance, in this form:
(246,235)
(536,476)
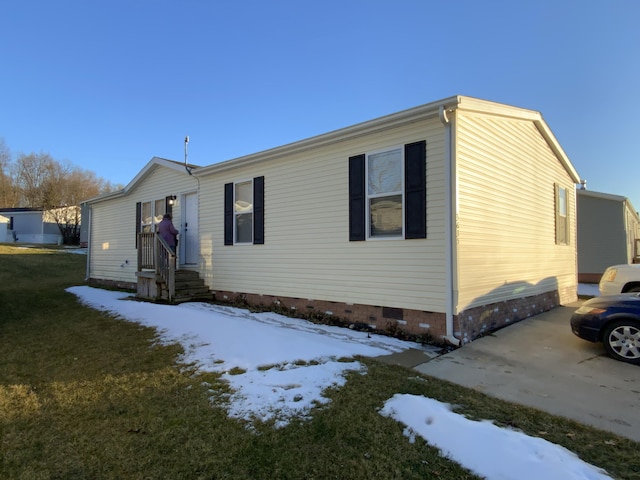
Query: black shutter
(356,198)
(415,184)
(228,214)
(258,211)
(138,220)
(168,207)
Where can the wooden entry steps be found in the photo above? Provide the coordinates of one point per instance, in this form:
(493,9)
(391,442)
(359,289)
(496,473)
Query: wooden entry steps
(189,287)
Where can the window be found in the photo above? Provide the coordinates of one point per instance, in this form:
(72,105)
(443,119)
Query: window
(152,213)
(147,218)
(244,212)
(149,214)
(387,193)
(159,210)
(562,216)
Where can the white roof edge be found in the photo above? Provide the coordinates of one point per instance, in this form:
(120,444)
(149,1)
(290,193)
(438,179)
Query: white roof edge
(151,164)
(501,109)
(472,104)
(371,126)
(557,149)
(605,196)
(400,118)
(610,196)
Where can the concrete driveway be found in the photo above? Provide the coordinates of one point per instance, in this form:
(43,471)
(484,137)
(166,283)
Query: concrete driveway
(538,362)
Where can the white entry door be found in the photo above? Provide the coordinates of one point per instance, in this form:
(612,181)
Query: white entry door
(189,245)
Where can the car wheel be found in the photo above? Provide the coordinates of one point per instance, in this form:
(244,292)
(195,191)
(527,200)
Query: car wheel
(622,341)
(634,289)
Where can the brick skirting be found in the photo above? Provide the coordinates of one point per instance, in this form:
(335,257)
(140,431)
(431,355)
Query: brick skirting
(478,321)
(399,322)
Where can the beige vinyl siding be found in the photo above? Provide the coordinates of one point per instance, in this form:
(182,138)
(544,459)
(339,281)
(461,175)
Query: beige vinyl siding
(506,246)
(113,250)
(307,253)
(113,253)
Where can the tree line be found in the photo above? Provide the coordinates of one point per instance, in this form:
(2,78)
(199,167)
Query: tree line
(37,180)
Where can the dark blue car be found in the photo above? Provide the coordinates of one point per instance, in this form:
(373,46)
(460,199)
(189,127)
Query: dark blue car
(614,321)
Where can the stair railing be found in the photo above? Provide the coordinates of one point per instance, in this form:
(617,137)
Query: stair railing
(156,254)
(146,251)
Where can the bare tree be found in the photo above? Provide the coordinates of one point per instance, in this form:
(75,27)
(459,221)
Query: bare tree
(58,188)
(37,180)
(67,219)
(68,187)
(8,191)
(33,177)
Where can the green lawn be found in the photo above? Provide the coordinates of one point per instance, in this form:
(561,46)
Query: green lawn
(87,396)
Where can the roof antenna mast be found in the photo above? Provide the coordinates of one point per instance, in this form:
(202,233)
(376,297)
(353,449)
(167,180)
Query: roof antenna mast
(186,154)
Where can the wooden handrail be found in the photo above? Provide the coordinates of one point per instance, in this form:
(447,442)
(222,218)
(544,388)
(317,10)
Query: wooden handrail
(154,253)
(166,265)
(146,251)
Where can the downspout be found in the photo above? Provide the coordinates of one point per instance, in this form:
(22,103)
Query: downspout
(450,206)
(89,220)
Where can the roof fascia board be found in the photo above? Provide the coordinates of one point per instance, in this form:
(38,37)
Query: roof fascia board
(404,117)
(30,212)
(609,196)
(546,132)
(20,210)
(470,104)
(103,197)
(142,174)
(601,195)
(348,133)
(150,166)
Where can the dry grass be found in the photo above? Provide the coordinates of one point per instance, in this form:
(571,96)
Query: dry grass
(86,396)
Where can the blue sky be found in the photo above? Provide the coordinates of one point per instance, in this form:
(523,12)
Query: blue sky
(107,85)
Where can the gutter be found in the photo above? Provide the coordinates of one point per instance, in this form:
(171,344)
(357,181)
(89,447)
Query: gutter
(87,275)
(451,208)
(369,127)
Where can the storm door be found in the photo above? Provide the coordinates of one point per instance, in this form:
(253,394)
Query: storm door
(189,244)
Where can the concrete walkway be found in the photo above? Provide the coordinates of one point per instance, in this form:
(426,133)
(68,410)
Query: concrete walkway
(538,362)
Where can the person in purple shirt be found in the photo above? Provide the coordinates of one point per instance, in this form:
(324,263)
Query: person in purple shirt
(168,232)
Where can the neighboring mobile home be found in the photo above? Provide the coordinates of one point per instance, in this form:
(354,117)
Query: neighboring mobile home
(31,225)
(450,219)
(608,228)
